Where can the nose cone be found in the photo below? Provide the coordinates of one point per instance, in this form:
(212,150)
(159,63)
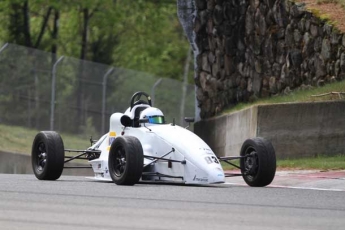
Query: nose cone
(216,175)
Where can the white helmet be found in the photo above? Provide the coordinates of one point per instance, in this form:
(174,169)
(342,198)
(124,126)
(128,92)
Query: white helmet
(154,115)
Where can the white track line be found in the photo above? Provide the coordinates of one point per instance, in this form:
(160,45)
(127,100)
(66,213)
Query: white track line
(293,187)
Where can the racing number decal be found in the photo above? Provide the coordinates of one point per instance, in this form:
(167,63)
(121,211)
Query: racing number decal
(211,159)
(208,160)
(215,160)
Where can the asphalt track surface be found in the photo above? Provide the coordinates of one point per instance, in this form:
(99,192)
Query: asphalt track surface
(77,203)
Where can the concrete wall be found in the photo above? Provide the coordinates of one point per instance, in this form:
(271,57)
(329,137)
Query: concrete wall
(295,129)
(225,134)
(13,163)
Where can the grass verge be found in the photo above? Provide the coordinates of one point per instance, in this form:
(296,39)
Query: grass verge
(298,96)
(19,140)
(319,162)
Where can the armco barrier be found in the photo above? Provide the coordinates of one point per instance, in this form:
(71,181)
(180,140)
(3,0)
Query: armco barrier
(13,163)
(295,129)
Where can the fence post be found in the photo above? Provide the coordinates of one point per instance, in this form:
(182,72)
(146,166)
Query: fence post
(153,90)
(3,47)
(52,102)
(104,84)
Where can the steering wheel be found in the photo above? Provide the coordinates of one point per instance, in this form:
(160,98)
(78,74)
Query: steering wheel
(135,100)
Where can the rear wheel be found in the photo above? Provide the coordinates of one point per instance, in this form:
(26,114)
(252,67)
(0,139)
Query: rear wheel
(47,155)
(259,165)
(126,160)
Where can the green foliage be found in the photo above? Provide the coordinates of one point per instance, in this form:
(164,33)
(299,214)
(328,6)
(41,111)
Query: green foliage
(152,41)
(89,128)
(141,35)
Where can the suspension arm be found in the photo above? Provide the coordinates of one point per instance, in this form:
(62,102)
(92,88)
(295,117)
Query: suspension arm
(159,158)
(231,158)
(164,159)
(83,151)
(77,167)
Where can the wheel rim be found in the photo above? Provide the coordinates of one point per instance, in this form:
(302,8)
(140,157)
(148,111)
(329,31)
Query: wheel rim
(251,163)
(41,157)
(120,161)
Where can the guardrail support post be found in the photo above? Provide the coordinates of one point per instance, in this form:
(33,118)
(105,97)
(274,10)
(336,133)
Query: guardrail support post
(52,102)
(3,47)
(104,84)
(153,90)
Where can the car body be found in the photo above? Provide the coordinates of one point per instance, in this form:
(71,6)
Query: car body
(187,158)
(141,146)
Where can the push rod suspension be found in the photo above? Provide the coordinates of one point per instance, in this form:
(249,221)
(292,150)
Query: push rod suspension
(232,164)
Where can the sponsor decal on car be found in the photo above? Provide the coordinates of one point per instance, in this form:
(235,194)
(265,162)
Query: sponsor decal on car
(112,136)
(207,151)
(200,179)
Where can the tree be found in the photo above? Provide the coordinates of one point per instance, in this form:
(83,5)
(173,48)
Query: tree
(143,35)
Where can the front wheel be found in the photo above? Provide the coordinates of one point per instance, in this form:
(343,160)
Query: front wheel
(47,155)
(126,159)
(258,167)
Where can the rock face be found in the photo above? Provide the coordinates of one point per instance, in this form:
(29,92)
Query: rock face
(258,48)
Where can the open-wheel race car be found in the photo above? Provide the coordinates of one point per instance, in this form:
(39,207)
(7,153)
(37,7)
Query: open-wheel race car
(140,145)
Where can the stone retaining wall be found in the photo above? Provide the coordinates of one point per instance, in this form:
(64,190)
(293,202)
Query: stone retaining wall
(259,48)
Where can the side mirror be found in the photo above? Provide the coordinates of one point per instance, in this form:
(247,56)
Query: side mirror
(143,120)
(189,119)
(126,121)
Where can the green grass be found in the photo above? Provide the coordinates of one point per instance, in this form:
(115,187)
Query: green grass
(297,96)
(341,2)
(19,140)
(320,162)
(323,16)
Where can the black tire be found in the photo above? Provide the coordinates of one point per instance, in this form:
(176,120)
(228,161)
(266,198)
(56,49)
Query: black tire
(259,169)
(47,155)
(126,159)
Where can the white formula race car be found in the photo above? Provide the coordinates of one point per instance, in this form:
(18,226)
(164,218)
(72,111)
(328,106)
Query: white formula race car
(141,146)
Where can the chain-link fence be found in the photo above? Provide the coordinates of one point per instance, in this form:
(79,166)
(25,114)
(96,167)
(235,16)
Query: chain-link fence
(42,91)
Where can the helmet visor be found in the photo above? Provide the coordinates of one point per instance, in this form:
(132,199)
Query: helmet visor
(156,119)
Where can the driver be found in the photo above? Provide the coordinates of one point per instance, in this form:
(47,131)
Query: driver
(154,115)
